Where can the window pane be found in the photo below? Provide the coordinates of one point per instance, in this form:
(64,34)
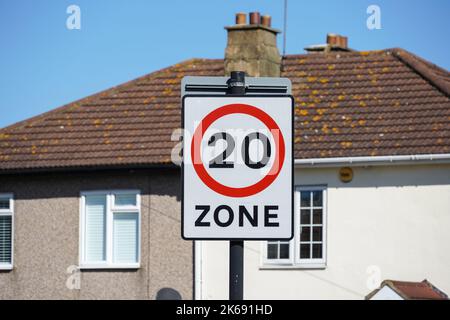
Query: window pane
(5,239)
(305,234)
(317,251)
(284,250)
(272,250)
(125,237)
(317,198)
(125,199)
(305,199)
(305,251)
(95,228)
(317,216)
(305,217)
(317,233)
(4,203)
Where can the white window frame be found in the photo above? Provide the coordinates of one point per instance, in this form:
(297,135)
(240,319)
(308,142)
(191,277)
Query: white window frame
(9,212)
(110,210)
(294,261)
(284,262)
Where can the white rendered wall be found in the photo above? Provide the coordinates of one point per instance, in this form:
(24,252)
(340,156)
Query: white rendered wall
(395,220)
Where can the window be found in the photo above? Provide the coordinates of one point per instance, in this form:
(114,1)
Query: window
(6,231)
(308,247)
(279,252)
(110,229)
(311,225)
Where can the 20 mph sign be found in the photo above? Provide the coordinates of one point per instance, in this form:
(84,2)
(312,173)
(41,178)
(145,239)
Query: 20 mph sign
(237,167)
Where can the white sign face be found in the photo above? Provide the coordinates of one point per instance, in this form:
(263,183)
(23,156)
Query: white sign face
(237,167)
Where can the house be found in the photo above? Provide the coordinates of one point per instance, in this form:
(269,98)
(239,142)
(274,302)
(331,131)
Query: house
(90,197)
(402,290)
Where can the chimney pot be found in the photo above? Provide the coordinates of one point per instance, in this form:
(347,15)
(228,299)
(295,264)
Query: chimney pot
(255,18)
(241,18)
(337,40)
(266,21)
(332,39)
(344,42)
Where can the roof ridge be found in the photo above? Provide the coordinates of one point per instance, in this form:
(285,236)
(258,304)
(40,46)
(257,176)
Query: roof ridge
(424,68)
(355,52)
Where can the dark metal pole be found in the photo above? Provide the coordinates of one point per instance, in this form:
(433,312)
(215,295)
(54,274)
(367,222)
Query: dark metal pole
(236,86)
(236,270)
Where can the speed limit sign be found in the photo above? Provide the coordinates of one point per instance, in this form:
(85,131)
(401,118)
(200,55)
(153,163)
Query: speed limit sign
(237,167)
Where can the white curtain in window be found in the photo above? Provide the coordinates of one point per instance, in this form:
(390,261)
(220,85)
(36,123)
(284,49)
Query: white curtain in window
(5,239)
(125,237)
(95,228)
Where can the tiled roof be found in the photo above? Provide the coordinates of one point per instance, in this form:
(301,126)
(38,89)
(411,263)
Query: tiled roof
(373,103)
(128,125)
(367,104)
(413,290)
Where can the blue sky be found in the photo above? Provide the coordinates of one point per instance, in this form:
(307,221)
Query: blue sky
(44,65)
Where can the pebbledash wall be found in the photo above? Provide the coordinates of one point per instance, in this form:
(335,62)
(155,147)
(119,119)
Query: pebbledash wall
(46,237)
(391,219)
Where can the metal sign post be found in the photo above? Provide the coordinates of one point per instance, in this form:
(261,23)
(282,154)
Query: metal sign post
(236,85)
(237,165)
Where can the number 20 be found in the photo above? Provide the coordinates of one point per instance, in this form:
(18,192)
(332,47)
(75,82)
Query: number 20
(219,161)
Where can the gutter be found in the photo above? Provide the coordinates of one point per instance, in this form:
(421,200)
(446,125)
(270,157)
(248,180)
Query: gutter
(89,168)
(373,161)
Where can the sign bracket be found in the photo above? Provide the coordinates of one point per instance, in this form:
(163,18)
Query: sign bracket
(219,85)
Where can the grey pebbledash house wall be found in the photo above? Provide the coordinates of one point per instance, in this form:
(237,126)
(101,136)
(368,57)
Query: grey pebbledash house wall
(46,242)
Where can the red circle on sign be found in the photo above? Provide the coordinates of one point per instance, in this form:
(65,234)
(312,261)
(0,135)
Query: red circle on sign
(210,181)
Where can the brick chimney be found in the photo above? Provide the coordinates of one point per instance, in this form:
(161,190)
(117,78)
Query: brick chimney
(253,47)
(335,42)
